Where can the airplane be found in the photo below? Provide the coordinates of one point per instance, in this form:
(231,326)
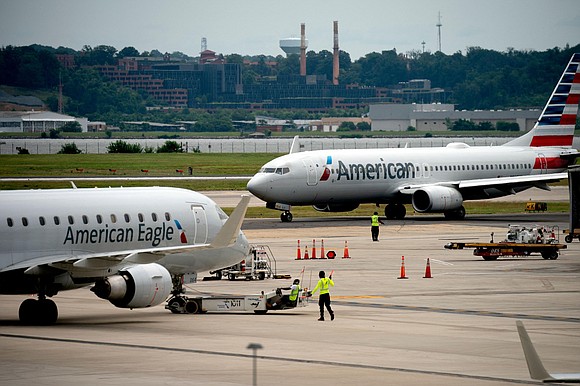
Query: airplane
(137,246)
(535,366)
(433,180)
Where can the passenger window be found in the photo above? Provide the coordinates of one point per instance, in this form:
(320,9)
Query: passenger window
(24,221)
(167,216)
(56,220)
(85,219)
(140,217)
(10,222)
(127,218)
(99,219)
(71,220)
(42,221)
(154,217)
(113,218)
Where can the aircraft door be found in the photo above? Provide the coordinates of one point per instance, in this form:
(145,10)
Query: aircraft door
(426,170)
(200,220)
(311,174)
(543,163)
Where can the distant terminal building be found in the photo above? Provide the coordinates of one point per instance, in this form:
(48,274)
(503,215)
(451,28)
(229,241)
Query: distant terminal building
(434,117)
(36,121)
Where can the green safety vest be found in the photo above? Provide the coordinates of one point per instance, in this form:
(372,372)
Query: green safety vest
(374,220)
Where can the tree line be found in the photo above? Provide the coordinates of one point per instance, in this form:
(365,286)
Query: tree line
(478,78)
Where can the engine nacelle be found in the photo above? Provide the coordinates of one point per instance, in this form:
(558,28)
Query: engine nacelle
(437,199)
(139,286)
(336,207)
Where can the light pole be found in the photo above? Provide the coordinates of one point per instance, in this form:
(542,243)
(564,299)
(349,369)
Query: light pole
(255,347)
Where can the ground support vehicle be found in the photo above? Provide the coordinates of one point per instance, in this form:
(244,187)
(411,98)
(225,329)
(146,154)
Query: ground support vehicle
(520,241)
(259,304)
(259,265)
(570,235)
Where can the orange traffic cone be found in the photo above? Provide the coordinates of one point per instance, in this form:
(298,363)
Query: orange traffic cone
(322,256)
(346,255)
(428,271)
(402,269)
(313,249)
(306,253)
(298,253)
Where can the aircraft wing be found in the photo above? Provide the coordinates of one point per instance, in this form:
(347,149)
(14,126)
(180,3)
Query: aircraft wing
(226,237)
(535,366)
(503,183)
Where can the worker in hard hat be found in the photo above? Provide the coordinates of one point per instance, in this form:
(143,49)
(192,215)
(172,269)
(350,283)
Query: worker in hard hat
(375,223)
(292,299)
(324,298)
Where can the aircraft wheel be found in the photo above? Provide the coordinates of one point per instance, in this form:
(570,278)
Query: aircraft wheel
(38,312)
(400,211)
(48,312)
(457,214)
(176,305)
(390,211)
(286,217)
(28,310)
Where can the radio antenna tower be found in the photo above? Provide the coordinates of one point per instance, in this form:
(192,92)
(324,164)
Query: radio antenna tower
(439,25)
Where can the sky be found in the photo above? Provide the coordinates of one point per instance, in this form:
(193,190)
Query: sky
(252,27)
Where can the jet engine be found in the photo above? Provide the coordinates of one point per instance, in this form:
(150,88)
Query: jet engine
(437,199)
(138,286)
(346,207)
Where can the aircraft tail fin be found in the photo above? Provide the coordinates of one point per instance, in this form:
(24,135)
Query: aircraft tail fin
(231,228)
(295,148)
(535,366)
(555,127)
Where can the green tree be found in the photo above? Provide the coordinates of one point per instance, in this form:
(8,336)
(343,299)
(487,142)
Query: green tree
(346,126)
(170,147)
(71,127)
(124,147)
(363,126)
(69,148)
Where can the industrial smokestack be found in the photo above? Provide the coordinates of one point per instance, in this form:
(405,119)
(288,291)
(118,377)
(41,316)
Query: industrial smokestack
(335,64)
(303,49)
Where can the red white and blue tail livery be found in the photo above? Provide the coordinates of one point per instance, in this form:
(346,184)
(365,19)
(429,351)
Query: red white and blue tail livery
(431,179)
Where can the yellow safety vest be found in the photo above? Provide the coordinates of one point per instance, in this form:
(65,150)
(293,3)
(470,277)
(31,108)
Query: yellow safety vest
(294,293)
(323,285)
(374,220)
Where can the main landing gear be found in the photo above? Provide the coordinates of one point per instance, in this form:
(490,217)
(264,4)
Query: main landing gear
(286,216)
(179,304)
(41,311)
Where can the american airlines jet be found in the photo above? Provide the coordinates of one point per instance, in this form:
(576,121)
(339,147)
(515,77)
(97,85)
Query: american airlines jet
(435,180)
(136,245)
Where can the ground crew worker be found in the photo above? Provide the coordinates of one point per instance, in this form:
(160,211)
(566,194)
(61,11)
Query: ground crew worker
(324,298)
(375,221)
(291,300)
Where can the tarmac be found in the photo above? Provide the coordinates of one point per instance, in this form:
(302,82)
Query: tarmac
(456,328)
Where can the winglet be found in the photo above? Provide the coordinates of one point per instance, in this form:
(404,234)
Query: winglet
(295,148)
(535,366)
(230,230)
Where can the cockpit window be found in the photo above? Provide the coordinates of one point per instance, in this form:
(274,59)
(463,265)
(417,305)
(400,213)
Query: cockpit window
(279,171)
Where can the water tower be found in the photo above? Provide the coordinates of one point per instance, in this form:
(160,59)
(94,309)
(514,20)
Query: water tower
(291,45)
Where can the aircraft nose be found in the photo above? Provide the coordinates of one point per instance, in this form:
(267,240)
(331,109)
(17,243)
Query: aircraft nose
(257,186)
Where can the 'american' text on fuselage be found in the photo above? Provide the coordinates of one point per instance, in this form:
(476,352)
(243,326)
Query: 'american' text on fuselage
(376,171)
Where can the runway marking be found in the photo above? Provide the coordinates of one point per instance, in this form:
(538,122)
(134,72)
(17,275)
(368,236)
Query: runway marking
(461,311)
(441,262)
(272,358)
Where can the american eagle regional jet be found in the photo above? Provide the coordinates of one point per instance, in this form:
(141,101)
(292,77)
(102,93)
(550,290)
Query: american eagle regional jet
(136,246)
(431,179)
